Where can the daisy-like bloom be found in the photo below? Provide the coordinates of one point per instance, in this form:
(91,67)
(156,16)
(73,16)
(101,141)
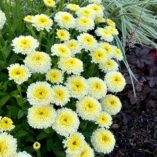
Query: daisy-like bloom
(88,108)
(39,93)
(38,62)
(99,56)
(60,95)
(18,73)
(117,54)
(23,154)
(86,152)
(104,120)
(103,141)
(6,124)
(110,22)
(42,22)
(86,12)
(111,104)
(65,20)
(100,20)
(2,19)
(66,122)
(28,18)
(87,41)
(108,49)
(115,81)
(97,9)
(112,30)
(95,1)
(97,87)
(84,24)
(50,3)
(60,50)
(54,76)
(63,34)
(36,145)
(74,46)
(72,7)
(24,44)
(77,86)
(8,145)
(41,117)
(74,144)
(109,65)
(71,65)
(104,34)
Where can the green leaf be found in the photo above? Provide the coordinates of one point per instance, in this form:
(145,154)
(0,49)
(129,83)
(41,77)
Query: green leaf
(4,100)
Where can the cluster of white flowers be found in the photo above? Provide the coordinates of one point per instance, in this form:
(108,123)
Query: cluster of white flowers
(65,83)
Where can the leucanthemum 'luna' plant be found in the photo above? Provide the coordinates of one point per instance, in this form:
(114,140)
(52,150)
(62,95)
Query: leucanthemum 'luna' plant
(103,141)
(66,122)
(38,62)
(71,65)
(60,50)
(24,44)
(88,108)
(77,86)
(69,88)
(41,117)
(55,76)
(8,145)
(18,73)
(6,124)
(23,154)
(111,104)
(97,87)
(39,93)
(42,22)
(60,95)
(74,144)
(2,19)
(65,20)
(50,3)
(74,46)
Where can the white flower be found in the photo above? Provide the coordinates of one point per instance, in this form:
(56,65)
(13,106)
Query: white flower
(41,22)
(24,44)
(97,87)
(88,108)
(74,144)
(71,65)
(104,34)
(2,19)
(87,41)
(18,73)
(39,93)
(84,24)
(38,62)
(86,12)
(74,46)
(77,86)
(66,122)
(41,117)
(8,145)
(60,95)
(60,50)
(103,141)
(23,154)
(65,20)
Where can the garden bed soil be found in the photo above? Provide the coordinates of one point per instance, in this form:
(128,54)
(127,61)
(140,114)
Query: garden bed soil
(135,127)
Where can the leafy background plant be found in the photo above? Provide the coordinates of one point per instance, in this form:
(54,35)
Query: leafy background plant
(12,98)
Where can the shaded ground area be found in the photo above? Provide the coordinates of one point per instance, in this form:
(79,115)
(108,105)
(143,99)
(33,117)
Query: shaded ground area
(135,127)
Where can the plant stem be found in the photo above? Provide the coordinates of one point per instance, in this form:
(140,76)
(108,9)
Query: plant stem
(38,153)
